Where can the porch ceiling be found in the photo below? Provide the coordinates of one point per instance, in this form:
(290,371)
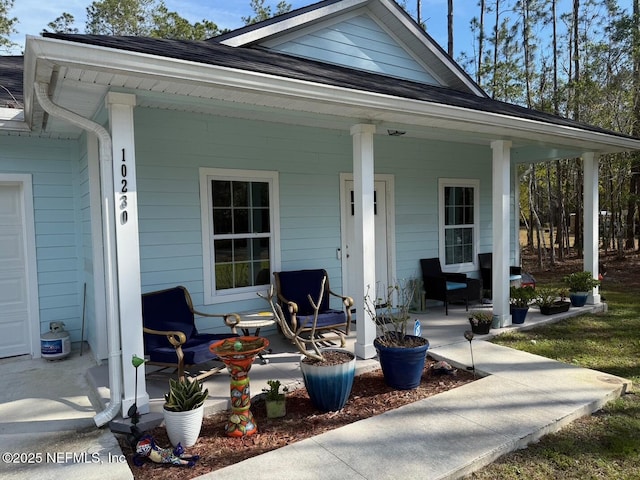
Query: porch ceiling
(80,82)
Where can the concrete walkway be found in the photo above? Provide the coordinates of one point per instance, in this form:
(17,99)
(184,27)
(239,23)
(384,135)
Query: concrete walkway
(449,435)
(46,423)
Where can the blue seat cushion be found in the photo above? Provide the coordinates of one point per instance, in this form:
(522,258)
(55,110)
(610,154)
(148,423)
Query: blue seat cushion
(297,285)
(196,349)
(166,310)
(456,285)
(325,319)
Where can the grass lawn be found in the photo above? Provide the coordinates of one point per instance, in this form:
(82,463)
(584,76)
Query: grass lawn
(605,445)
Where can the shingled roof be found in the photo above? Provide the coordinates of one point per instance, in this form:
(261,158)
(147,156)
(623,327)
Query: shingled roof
(11,73)
(277,64)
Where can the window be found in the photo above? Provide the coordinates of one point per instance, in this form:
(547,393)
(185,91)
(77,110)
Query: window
(240,232)
(458,222)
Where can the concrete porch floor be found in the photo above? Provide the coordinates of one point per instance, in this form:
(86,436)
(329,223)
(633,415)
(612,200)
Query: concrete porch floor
(46,409)
(283,363)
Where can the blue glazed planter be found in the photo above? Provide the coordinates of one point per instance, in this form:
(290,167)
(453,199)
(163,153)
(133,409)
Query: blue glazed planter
(518,314)
(329,386)
(402,366)
(578,299)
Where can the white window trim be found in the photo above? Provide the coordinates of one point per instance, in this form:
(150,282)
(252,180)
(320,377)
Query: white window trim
(459,182)
(206,175)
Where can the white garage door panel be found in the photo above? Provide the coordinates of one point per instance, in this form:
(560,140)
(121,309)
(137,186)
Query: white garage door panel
(12,294)
(15,334)
(14,304)
(11,249)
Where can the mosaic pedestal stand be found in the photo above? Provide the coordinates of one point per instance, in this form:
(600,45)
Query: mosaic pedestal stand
(238,355)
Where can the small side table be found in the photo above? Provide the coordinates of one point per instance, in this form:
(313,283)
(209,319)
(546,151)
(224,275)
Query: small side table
(256,320)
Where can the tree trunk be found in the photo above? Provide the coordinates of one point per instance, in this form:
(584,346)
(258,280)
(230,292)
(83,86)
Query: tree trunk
(556,53)
(480,41)
(496,41)
(450,28)
(634,181)
(526,37)
(552,246)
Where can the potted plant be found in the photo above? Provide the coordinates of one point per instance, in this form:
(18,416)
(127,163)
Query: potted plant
(580,284)
(519,298)
(183,411)
(327,373)
(274,400)
(481,321)
(551,301)
(402,356)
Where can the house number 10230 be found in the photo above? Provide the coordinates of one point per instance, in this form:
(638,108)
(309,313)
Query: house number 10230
(122,200)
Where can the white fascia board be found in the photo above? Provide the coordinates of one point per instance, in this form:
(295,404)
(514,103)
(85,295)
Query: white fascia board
(371,107)
(267,31)
(28,78)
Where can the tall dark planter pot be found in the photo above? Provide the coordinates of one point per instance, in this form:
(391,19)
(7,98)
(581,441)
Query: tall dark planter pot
(402,366)
(578,299)
(329,386)
(518,314)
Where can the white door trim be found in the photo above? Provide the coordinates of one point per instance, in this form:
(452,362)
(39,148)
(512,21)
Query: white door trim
(389,180)
(33,304)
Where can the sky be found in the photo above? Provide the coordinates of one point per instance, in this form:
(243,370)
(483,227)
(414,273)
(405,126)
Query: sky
(34,15)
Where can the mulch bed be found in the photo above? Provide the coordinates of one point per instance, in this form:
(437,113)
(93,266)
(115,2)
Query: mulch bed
(370,396)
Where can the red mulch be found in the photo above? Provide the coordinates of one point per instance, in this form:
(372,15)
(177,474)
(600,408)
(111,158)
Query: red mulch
(370,396)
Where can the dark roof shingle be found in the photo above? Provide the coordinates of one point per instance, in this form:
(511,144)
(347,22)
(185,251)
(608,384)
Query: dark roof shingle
(11,78)
(277,64)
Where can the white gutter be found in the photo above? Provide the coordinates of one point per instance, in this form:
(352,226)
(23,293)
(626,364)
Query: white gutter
(303,95)
(41,91)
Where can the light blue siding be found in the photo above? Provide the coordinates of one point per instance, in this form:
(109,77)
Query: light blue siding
(308,162)
(361,43)
(170,149)
(52,165)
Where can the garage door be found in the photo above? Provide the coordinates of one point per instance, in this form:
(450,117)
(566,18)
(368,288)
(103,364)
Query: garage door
(14,305)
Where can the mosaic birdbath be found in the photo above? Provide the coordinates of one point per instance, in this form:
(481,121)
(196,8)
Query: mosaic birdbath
(238,354)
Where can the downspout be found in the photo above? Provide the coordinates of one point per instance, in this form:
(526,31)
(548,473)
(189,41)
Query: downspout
(106,183)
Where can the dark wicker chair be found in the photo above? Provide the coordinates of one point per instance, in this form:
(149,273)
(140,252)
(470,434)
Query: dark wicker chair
(446,287)
(485,260)
(293,289)
(171,338)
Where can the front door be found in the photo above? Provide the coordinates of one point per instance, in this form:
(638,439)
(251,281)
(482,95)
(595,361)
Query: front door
(14,294)
(383,231)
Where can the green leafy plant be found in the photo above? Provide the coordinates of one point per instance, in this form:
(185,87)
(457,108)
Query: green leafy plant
(273,392)
(547,296)
(520,297)
(184,395)
(581,281)
(481,317)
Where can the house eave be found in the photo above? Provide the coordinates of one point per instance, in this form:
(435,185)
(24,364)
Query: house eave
(12,120)
(44,55)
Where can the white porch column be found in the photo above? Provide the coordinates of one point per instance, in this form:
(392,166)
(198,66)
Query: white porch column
(501,185)
(591,210)
(120,108)
(365,262)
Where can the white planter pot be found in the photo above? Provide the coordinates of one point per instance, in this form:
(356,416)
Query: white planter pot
(184,427)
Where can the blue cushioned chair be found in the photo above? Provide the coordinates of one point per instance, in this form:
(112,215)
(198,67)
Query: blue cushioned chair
(442,286)
(293,289)
(171,338)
